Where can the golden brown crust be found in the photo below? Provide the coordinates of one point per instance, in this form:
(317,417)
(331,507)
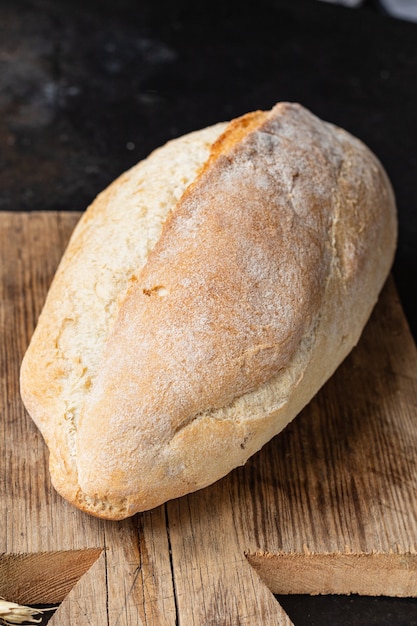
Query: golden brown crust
(256,288)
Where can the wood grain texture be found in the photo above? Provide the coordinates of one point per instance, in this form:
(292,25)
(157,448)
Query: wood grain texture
(328,506)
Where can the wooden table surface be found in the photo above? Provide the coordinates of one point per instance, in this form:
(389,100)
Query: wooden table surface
(329,506)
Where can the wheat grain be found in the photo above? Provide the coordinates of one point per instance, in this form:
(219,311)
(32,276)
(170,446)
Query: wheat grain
(12,613)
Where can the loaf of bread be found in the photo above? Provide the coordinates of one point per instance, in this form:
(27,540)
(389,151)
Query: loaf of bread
(204,298)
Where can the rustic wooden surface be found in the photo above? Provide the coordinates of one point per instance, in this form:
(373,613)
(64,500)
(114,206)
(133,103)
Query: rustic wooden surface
(328,506)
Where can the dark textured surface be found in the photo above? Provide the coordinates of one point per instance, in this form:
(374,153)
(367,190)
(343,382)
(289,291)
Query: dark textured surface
(350,610)
(89,88)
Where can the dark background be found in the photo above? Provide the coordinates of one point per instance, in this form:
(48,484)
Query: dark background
(87,88)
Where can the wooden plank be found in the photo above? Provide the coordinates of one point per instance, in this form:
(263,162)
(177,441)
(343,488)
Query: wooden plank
(45,577)
(36,522)
(328,506)
(343,476)
(213,578)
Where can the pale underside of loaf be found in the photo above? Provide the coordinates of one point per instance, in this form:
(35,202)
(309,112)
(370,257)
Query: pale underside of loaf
(202,301)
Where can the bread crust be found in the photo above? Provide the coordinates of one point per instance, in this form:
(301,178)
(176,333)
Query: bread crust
(252,283)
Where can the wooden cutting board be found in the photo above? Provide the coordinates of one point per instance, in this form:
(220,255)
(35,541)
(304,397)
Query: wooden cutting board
(328,506)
